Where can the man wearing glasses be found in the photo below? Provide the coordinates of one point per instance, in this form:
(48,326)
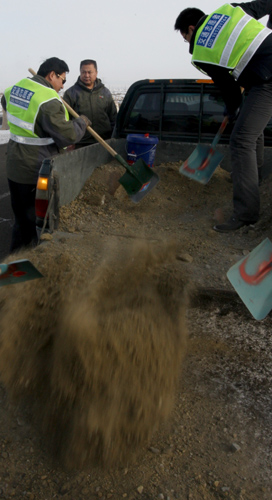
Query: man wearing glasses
(90,96)
(39,128)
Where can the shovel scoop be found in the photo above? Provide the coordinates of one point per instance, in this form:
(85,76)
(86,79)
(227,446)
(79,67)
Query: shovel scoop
(17,272)
(138,180)
(203,161)
(251,277)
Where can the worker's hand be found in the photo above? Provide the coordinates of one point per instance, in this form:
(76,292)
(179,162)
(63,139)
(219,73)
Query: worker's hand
(86,120)
(231,116)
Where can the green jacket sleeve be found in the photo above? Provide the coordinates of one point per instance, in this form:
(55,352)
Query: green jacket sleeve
(51,122)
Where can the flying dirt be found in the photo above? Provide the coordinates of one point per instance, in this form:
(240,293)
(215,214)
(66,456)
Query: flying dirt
(96,354)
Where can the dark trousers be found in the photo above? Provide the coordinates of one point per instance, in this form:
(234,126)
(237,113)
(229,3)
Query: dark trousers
(23,205)
(248,129)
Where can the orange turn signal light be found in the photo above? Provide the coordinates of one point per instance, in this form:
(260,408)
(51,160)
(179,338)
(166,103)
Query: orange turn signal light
(42,183)
(201,80)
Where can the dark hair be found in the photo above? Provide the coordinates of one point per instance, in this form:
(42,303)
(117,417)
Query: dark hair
(88,61)
(53,64)
(188,17)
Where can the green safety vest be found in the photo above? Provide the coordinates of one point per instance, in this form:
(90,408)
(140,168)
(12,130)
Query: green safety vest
(228,38)
(23,103)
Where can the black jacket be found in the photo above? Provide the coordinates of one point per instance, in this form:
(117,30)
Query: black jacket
(97,104)
(259,68)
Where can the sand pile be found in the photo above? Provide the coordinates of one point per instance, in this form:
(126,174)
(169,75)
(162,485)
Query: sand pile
(96,357)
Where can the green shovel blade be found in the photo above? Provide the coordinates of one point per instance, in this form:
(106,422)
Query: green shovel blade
(138,180)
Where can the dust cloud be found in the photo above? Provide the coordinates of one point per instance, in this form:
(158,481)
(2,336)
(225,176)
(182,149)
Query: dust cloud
(96,353)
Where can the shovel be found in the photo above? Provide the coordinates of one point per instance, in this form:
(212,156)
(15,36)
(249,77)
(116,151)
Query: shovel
(251,277)
(203,161)
(17,272)
(138,179)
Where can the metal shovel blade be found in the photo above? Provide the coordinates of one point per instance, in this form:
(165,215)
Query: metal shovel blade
(201,164)
(140,181)
(204,159)
(251,277)
(17,272)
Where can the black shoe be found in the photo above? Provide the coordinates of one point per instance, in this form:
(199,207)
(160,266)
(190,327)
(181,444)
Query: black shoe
(231,225)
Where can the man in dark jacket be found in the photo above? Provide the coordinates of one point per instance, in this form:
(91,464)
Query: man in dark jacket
(235,50)
(90,96)
(39,128)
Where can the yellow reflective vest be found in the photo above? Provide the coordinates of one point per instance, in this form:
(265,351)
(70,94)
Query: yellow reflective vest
(228,38)
(23,104)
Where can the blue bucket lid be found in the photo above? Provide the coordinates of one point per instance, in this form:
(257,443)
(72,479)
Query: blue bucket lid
(142,138)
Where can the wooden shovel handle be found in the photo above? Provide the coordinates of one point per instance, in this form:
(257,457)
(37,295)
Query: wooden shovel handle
(90,129)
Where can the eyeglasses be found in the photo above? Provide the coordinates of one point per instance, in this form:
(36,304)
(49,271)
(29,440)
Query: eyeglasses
(184,37)
(63,79)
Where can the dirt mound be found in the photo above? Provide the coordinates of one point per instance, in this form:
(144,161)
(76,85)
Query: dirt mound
(217,443)
(98,357)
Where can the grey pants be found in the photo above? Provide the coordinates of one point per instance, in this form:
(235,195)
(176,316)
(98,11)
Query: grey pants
(253,118)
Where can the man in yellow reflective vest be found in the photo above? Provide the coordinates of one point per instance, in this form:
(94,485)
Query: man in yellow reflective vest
(39,128)
(235,50)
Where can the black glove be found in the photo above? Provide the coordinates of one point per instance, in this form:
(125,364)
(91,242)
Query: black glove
(86,120)
(231,116)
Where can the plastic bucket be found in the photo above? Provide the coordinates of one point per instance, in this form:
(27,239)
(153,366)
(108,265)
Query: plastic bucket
(141,146)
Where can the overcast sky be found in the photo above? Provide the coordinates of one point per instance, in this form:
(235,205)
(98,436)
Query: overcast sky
(130,39)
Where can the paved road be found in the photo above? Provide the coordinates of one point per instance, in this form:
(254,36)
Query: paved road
(6,215)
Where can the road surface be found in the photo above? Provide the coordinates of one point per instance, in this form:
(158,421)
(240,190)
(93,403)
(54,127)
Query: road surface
(6,215)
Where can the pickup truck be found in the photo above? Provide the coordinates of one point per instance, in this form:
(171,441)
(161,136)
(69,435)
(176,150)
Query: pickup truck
(181,113)
(175,110)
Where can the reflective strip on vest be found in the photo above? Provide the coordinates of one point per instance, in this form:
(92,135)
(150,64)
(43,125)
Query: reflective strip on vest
(20,123)
(32,141)
(233,39)
(250,52)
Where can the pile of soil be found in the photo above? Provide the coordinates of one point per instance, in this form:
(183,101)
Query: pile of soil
(216,442)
